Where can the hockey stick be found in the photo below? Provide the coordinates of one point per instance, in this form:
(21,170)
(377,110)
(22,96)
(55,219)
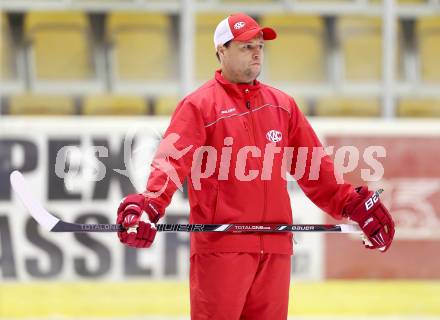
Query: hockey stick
(53,224)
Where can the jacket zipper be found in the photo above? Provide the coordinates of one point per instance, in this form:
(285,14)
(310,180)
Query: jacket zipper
(248,106)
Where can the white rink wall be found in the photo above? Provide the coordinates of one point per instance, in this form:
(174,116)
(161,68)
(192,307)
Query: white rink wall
(99,170)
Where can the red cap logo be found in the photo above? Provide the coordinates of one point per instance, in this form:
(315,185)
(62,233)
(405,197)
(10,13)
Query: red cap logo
(240,27)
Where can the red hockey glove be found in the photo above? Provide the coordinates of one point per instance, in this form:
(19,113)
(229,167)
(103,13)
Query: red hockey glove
(139,215)
(373,218)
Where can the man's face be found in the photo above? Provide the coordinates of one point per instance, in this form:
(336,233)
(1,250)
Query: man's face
(241,61)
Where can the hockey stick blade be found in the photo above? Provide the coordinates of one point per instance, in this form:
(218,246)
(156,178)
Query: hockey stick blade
(21,188)
(53,224)
(45,219)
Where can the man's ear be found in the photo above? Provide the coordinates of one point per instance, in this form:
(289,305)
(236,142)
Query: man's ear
(221,51)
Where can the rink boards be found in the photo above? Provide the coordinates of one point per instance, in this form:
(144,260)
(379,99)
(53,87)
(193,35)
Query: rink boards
(81,168)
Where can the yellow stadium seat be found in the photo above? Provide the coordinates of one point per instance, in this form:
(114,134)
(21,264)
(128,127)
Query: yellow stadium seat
(142,45)
(412,107)
(361,47)
(115,105)
(411,1)
(251,2)
(428,35)
(6,63)
(40,104)
(405,2)
(302,104)
(205,60)
(60,45)
(297,55)
(336,106)
(165,105)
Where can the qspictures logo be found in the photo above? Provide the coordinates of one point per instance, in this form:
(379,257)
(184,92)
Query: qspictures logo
(173,156)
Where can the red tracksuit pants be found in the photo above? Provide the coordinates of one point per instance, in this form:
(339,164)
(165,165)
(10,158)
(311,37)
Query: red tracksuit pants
(236,286)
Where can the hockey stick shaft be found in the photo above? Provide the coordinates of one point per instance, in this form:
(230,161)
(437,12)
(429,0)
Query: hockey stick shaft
(63,226)
(53,224)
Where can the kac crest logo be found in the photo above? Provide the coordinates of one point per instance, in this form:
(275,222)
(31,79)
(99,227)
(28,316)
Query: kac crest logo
(274,136)
(239,25)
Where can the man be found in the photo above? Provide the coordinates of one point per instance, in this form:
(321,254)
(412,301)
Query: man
(243,276)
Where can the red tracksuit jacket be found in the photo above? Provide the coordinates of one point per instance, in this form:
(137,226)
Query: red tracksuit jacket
(252,115)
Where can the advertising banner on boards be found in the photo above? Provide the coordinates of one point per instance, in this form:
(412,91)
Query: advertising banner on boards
(80,169)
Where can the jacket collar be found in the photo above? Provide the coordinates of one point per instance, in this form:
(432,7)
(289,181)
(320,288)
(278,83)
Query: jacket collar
(237,89)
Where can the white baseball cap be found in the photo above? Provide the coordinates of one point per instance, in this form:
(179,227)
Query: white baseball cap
(240,27)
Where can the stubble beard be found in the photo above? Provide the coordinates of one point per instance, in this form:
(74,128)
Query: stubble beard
(251,74)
